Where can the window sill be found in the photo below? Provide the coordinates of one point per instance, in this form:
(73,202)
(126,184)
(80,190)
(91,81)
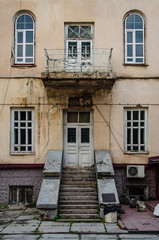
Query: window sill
(133,153)
(22,153)
(23,65)
(135,64)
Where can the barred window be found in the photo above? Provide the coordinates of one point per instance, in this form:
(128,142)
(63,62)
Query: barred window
(22,130)
(135,130)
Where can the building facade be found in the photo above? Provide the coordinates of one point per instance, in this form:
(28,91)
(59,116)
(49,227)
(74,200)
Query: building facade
(79,76)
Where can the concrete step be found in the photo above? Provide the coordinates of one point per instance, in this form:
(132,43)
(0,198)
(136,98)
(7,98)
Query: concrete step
(77,189)
(79,220)
(77,193)
(78,211)
(81,179)
(79,182)
(77,202)
(78,198)
(80,216)
(79,206)
(78,186)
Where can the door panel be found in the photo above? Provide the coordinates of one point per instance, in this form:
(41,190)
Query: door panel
(78,140)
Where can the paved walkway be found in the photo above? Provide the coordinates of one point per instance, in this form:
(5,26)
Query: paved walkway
(20,223)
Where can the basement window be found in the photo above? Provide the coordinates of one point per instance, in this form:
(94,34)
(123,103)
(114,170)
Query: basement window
(20,194)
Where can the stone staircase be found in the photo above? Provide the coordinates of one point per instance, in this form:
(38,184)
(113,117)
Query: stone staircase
(78,199)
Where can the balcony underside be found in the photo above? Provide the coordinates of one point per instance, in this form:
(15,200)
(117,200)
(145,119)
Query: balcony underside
(83,80)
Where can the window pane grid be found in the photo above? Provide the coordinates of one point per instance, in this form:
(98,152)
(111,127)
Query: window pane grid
(135,130)
(134,39)
(24,42)
(22,131)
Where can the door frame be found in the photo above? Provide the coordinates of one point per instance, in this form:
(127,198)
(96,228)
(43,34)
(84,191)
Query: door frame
(78,126)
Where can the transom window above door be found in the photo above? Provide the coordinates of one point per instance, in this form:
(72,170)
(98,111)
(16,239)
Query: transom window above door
(78,117)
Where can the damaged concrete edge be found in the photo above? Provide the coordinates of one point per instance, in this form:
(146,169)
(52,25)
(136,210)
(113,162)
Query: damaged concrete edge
(50,188)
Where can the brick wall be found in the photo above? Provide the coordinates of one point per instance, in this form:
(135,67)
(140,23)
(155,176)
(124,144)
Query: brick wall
(19,177)
(122,181)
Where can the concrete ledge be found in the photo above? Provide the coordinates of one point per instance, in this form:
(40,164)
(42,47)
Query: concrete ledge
(53,164)
(49,194)
(107,186)
(104,165)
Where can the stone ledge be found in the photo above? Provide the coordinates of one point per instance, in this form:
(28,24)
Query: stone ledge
(53,164)
(49,194)
(104,165)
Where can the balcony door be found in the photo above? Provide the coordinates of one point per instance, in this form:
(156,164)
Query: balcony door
(78,139)
(79,48)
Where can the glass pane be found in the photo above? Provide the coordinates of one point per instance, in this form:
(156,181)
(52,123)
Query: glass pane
(138,18)
(16,124)
(84,117)
(72,49)
(29,136)
(23,124)
(135,148)
(73,32)
(29,51)
(142,148)
(20,22)
(13,194)
(29,124)
(139,60)
(139,50)
(85,31)
(16,148)
(29,148)
(142,136)
(129,50)
(130,25)
(15,136)
(128,136)
(128,115)
(135,115)
(135,124)
(138,25)
(15,115)
(20,60)
(20,51)
(22,148)
(129,59)
(128,124)
(29,37)
(131,18)
(22,116)
(29,60)
(22,195)
(71,137)
(29,115)
(19,37)
(139,36)
(28,22)
(22,136)
(129,37)
(142,115)
(135,136)
(86,48)
(84,135)
(72,117)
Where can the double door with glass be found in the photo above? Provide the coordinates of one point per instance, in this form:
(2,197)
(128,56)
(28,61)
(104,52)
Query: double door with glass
(78,139)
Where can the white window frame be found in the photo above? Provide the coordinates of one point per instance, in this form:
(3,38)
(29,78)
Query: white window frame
(129,145)
(24,43)
(134,43)
(78,63)
(18,125)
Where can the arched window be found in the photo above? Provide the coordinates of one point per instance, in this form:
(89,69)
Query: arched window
(24,39)
(134,39)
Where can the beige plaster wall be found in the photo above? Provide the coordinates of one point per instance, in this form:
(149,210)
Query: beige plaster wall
(22,86)
(107,17)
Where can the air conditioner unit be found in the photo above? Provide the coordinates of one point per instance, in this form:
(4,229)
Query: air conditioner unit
(135,171)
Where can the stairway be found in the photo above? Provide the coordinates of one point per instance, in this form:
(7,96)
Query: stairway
(78,199)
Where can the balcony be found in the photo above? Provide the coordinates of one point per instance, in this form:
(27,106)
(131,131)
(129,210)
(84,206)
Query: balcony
(80,68)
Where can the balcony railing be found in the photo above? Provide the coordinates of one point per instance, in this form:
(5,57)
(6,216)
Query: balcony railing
(78,60)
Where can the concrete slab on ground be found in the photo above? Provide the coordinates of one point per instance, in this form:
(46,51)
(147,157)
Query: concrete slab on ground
(20,237)
(54,227)
(99,237)
(21,227)
(60,237)
(138,237)
(114,228)
(88,227)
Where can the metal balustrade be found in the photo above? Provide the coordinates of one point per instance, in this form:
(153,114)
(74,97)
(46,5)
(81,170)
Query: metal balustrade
(78,60)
